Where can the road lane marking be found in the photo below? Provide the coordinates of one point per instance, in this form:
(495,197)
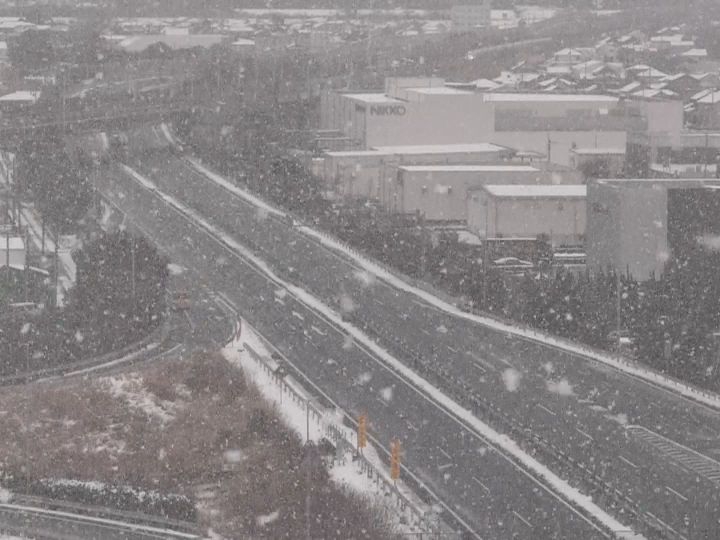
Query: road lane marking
(298,315)
(414,382)
(581,432)
(543,407)
(478,366)
(480,360)
(679,495)
(487,489)
(446,466)
(525,521)
(668,527)
(444,453)
(628,462)
(452,349)
(318,331)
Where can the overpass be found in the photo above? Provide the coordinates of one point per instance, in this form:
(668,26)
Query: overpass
(16,128)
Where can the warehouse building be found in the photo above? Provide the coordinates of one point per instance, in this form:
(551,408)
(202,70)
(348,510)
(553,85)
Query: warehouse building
(636,226)
(528,211)
(438,192)
(426,112)
(360,173)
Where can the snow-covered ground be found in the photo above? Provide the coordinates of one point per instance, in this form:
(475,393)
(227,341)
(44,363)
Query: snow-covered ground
(307,419)
(384,358)
(129,387)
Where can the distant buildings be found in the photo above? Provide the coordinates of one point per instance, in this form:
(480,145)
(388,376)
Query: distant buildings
(470,16)
(420,111)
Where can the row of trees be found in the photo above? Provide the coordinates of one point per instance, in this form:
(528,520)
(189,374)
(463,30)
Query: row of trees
(57,180)
(119,296)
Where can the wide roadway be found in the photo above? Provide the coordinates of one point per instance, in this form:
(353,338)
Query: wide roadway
(585,419)
(482,486)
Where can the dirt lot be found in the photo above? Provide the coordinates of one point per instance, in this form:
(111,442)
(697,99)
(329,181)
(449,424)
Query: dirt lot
(193,427)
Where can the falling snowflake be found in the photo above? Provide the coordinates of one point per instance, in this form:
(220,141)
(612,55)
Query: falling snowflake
(346,304)
(561,387)
(233,456)
(364,378)
(387,394)
(365,278)
(511,377)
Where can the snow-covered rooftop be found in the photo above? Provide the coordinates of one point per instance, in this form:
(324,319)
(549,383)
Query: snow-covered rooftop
(442,148)
(711,98)
(470,168)
(440,90)
(533,191)
(356,153)
(696,53)
(28,96)
(559,98)
(373,98)
(598,151)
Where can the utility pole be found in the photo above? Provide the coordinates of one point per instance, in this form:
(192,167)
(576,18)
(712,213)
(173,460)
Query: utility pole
(56,269)
(618,308)
(132,271)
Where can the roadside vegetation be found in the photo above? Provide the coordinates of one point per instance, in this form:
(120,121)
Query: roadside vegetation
(119,298)
(193,428)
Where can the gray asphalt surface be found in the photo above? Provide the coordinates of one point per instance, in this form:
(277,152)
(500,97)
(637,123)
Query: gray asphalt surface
(485,489)
(583,436)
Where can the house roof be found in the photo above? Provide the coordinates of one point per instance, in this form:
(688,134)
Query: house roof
(21,96)
(696,53)
(712,98)
(136,44)
(519,97)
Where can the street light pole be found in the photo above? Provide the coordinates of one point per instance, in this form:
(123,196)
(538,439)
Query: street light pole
(618,308)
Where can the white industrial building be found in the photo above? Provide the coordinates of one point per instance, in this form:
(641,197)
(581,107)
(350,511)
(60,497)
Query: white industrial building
(636,225)
(528,211)
(423,111)
(360,173)
(439,192)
